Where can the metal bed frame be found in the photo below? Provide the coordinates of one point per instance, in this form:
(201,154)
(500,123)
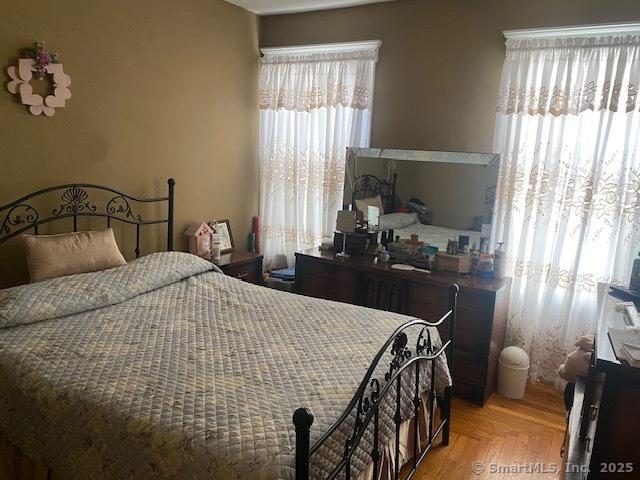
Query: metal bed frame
(367,185)
(75,201)
(365,404)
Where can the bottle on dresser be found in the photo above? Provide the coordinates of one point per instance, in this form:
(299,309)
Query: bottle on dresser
(499,261)
(215,246)
(475,257)
(634,282)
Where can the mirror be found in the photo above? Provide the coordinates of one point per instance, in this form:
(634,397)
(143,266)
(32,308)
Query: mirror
(438,196)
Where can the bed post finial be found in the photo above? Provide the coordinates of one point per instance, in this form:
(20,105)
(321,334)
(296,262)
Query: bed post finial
(171,183)
(302,419)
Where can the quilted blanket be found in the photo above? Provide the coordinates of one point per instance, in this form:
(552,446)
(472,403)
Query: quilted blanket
(163,368)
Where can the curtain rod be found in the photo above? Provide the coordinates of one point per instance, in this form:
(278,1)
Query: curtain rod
(322,48)
(575,31)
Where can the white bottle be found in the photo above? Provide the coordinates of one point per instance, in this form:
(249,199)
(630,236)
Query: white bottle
(215,246)
(499,261)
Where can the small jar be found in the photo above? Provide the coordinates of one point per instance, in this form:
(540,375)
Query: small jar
(485,265)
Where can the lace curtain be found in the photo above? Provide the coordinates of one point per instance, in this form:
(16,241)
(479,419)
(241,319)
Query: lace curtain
(568,199)
(312,107)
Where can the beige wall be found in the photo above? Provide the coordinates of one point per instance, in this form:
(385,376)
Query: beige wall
(440,61)
(455,192)
(160,88)
(439,68)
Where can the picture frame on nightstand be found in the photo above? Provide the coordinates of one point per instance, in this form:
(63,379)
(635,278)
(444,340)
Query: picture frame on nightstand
(223,228)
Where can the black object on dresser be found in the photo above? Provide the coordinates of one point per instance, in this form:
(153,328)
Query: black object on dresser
(243,265)
(480,321)
(603,429)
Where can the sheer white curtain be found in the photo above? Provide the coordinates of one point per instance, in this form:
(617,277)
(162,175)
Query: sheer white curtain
(568,129)
(312,106)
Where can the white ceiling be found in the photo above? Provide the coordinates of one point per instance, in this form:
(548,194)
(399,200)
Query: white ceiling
(275,7)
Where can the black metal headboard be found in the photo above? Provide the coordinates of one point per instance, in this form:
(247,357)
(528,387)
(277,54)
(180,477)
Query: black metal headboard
(75,201)
(369,186)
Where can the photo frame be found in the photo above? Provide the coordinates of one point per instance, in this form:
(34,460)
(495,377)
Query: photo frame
(223,228)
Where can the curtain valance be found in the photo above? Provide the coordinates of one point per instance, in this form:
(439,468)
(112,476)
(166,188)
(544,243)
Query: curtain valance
(310,81)
(566,76)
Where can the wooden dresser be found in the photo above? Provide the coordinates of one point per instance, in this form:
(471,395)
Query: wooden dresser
(603,430)
(482,307)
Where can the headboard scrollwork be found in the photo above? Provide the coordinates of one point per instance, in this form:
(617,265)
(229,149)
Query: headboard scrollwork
(77,200)
(369,186)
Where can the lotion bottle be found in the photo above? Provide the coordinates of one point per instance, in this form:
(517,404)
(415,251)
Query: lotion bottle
(499,261)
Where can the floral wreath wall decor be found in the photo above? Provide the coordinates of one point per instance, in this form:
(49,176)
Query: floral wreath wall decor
(47,68)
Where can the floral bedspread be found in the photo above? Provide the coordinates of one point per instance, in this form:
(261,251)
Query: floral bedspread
(163,368)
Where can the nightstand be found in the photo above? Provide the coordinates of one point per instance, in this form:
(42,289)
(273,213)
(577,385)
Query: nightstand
(243,265)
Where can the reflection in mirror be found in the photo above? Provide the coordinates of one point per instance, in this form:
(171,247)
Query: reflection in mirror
(435,195)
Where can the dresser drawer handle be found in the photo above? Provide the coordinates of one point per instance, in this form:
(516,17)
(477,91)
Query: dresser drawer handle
(243,275)
(594,411)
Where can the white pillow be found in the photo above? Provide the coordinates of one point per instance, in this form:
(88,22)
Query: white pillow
(396,220)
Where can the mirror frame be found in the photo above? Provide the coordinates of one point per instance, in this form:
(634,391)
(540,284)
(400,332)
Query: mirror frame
(484,159)
(473,158)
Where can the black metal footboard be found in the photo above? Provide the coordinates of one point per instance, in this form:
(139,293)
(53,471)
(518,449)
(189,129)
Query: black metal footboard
(364,410)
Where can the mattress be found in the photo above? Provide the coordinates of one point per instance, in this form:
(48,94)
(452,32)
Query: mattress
(163,368)
(436,236)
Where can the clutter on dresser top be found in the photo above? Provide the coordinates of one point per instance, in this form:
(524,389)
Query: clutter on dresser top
(354,237)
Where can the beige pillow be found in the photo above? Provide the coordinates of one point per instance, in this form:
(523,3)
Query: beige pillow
(50,256)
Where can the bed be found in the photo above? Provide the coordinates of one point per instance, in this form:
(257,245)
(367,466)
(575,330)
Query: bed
(166,368)
(436,236)
(404,225)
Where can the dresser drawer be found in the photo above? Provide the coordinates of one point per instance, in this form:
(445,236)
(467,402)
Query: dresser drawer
(440,296)
(470,370)
(246,272)
(430,294)
(383,293)
(311,285)
(323,286)
(472,328)
(322,280)
(328,272)
(242,265)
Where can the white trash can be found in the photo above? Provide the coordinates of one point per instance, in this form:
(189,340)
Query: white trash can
(513,370)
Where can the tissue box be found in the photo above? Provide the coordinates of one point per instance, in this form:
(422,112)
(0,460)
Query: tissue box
(452,263)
